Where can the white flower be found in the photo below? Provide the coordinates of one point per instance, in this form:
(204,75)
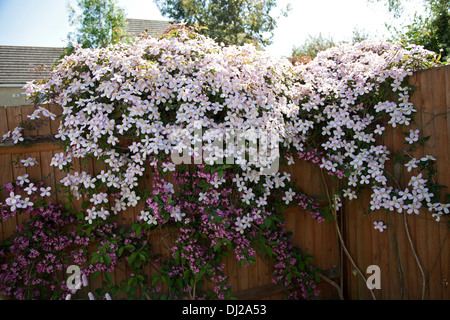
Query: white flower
(102,176)
(413,136)
(365,179)
(290,160)
(413,208)
(13,201)
(30,189)
(144,215)
(103,213)
(22,179)
(45,192)
(437,216)
(176,214)
(92,214)
(351,194)
(202,197)
(240,228)
(29,162)
(379,130)
(152,220)
(411,164)
(288,196)
(168,166)
(261,202)
(428,158)
(379,225)
(27,203)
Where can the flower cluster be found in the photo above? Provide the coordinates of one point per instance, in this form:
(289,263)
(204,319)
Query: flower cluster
(156,92)
(23,194)
(30,264)
(345,103)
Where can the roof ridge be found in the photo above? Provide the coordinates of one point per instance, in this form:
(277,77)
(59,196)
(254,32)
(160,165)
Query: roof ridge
(149,20)
(31,47)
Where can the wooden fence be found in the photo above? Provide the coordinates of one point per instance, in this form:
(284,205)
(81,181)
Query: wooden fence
(402,277)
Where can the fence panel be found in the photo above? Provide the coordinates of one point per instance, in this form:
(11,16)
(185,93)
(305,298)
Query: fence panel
(401,276)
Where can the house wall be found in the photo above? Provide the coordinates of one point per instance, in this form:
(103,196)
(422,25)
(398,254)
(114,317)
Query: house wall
(13,96)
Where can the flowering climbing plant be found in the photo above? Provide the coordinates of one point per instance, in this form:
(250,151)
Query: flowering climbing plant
(135,108)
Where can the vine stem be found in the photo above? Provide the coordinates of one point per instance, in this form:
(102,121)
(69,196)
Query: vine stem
(415,256)
(334,284)
(411,244)
(341,240)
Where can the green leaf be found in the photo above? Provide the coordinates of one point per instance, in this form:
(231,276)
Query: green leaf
(108,276)
(138,230)
(107,260)
(95,257)
(140,277)
(199,275)
(289,277)
(132,258)
(269,252)
(301,266)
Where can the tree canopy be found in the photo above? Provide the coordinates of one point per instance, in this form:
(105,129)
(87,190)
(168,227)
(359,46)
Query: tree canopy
(431,30)
(98,22)
(228,21)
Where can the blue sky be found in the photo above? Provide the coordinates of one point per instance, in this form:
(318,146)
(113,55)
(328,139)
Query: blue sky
(45,22)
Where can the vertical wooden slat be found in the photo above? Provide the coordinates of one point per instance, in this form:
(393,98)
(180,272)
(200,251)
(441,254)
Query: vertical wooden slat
(54,124)
(4,127)
(444,231)
(6,175)
(25,111)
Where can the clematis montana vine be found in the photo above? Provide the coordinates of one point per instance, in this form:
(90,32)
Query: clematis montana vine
(137,107)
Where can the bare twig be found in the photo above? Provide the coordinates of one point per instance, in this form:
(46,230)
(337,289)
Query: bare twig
(334,284)
(341,240)
(416,257)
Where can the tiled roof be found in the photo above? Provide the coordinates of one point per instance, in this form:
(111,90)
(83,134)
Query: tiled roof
(19,64)
(155,28)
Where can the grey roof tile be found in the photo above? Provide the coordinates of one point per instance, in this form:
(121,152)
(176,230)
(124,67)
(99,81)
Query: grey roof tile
(155,28)
(19,64)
